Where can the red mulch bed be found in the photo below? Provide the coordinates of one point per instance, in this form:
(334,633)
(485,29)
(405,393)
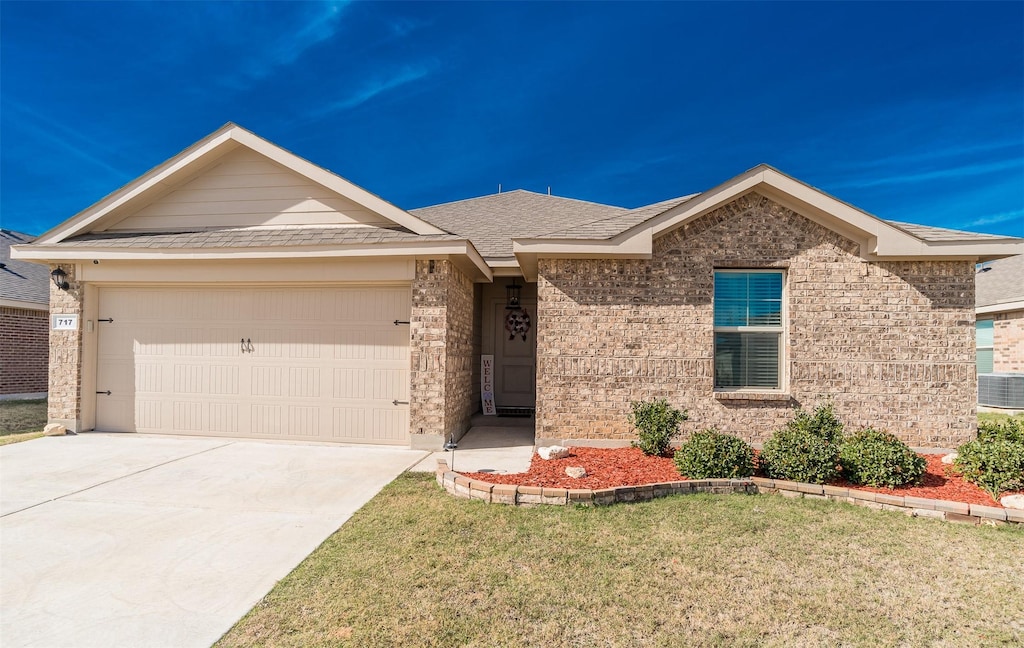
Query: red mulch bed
(611,467)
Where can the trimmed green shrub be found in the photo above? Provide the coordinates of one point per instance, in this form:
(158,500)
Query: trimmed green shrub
(807,449)
(995,460)
(710,454)
(656,423)
(877,458)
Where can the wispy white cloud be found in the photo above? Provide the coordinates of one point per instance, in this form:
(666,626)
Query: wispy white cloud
(972,169)
(999,218)
(269,41)
(375,86)
(61,137)
(945,154)
(318,26)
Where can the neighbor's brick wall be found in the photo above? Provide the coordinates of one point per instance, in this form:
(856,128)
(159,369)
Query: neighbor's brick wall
(1008,342)
(892,343)
(441,338)
(24,349)
(65,397)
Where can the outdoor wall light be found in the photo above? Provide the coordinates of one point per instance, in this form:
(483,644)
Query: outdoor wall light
(512,295)
(60,278)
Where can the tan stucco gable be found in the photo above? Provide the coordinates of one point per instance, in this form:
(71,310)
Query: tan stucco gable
(132,201)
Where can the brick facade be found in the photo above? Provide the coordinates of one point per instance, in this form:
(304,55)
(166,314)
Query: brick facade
(65,397)
(1008,342)
(442,354)
(24,350)
(891,343)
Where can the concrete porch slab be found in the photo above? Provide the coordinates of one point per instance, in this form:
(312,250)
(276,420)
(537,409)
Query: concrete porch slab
(495,448)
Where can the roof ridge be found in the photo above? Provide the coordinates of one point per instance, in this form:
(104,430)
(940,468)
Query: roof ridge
(525,191)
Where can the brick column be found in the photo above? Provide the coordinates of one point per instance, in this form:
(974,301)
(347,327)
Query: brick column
(441,350)
(65,397)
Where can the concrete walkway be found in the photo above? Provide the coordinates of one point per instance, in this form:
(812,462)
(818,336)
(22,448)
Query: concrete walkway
(135,540)
(491,445)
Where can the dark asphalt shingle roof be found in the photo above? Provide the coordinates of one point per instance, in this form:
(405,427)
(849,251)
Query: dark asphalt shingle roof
(1002,282)
(21,280)
(491,222)
(939,234)
(245,238)
(607,228)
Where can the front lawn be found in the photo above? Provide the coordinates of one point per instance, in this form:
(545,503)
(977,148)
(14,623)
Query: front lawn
(997,417)
(416,567)
(22,416)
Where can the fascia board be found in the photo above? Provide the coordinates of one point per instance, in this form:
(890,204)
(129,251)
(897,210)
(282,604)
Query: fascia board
(705,202)
(216,144)
(819,207)
(335,183)
(635,245)
(981,250)
(474,263)
(631,245)
(1000,308)
(877,238)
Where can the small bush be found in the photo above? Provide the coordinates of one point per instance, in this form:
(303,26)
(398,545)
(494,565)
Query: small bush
(807,449)
(656,423)
(995,460)
(877,458)
(711,454)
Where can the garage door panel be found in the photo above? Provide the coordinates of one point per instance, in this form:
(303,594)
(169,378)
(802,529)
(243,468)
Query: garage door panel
(188,416)
(175,360)
(349,423)
(223,418)
(293,305)
(386,422)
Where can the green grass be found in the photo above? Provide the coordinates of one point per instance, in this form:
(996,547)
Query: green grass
(22,416)
(997,417)
(417,567)
(18,438)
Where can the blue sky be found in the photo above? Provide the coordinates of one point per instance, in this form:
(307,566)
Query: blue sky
(912,111)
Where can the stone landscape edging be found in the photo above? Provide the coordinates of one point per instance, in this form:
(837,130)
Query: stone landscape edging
(513,495)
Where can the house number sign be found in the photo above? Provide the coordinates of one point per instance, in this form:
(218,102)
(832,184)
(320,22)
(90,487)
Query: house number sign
(64,322)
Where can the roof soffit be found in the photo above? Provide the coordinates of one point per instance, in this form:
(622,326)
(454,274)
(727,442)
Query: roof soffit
(192,161)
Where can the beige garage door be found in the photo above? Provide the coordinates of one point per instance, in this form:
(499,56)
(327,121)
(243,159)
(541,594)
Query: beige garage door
(325,364)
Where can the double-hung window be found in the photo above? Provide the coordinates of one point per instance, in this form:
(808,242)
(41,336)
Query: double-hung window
(984,342)
(748,329)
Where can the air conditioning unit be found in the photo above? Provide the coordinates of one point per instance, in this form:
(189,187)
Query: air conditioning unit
(1001,390)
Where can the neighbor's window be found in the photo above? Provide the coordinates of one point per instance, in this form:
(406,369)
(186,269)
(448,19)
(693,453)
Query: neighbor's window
(984,336)
(748,329)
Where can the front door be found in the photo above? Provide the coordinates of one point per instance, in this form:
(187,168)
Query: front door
(515,365)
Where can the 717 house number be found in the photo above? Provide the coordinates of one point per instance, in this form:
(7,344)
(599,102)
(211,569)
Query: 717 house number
(64,322)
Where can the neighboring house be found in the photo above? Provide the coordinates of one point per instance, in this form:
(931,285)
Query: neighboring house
(999,306)
(240,290)
(24,322)
(999,300)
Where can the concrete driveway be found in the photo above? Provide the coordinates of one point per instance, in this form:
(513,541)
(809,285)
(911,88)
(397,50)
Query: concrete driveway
(133,540)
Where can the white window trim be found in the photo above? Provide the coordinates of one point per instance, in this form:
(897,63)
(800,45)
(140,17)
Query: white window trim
(782,330)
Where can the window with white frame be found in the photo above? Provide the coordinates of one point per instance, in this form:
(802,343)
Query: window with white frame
(984,341)
(748,329)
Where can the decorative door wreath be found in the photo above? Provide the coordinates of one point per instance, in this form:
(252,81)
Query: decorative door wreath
(517,322)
